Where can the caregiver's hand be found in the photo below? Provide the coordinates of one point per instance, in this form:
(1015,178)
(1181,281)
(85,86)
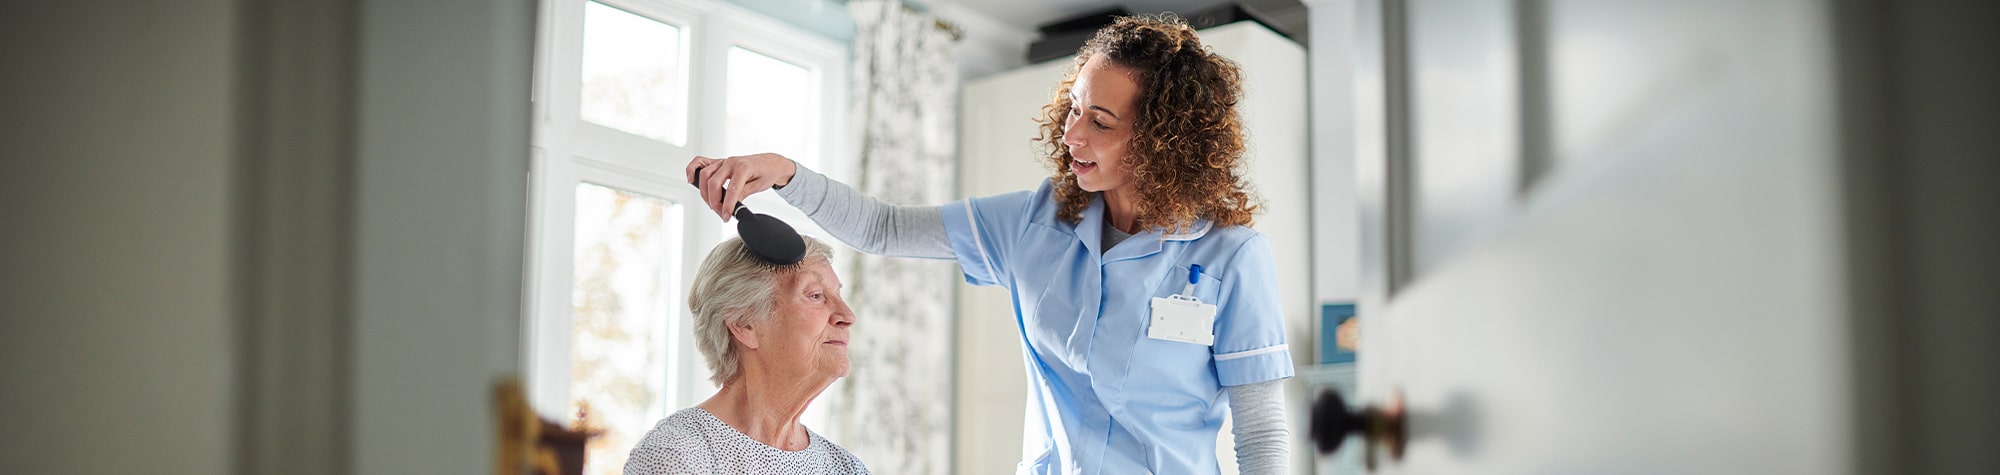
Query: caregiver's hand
(743,175)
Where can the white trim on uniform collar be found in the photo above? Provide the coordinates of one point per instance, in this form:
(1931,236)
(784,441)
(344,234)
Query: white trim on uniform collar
(1199,229)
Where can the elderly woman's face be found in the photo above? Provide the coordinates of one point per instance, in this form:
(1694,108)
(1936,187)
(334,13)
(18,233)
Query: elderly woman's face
(1103,105)
(810,326)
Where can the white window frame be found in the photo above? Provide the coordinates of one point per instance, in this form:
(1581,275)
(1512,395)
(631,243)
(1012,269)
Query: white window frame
(568,151)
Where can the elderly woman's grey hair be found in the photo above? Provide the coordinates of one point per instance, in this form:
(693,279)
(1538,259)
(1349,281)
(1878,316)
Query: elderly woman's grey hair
(735,287)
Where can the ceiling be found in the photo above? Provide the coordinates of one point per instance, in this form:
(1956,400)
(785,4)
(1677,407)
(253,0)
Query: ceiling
(1286,16)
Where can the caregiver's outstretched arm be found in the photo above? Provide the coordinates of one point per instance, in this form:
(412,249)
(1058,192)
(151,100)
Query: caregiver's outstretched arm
(861,221)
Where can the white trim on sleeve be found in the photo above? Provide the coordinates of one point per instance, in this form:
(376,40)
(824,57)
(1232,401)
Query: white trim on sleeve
(1250,353)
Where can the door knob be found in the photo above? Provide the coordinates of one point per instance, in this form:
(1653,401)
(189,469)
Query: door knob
(1332,422)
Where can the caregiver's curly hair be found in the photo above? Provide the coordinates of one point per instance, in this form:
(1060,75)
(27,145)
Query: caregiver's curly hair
(1187,144)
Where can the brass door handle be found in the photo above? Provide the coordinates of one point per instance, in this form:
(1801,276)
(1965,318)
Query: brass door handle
(1384,426)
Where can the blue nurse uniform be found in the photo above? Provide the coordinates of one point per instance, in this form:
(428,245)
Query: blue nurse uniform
(1102,397)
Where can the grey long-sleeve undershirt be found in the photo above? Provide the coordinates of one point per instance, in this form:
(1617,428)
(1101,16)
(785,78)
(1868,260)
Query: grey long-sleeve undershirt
(1256,410)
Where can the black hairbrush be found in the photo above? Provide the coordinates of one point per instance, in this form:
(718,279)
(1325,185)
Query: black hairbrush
(767,237)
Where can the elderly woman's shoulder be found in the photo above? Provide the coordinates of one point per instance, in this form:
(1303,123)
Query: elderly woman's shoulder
(678,444)
(842,461)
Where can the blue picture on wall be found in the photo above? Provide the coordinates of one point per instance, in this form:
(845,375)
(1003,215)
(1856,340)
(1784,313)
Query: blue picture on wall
(1330,317)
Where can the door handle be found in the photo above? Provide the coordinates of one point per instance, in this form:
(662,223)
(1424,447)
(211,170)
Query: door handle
(1383,426)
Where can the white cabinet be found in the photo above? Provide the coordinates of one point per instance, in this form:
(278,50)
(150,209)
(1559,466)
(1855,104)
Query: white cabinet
(999,155)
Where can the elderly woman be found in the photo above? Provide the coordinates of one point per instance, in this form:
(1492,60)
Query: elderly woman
(774,337)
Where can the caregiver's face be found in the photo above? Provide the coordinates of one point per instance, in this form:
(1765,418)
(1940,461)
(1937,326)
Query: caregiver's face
(1103,108)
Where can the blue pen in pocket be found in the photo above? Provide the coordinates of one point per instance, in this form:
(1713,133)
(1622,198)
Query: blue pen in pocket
(1194,277)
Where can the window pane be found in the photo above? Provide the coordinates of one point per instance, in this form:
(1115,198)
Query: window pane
(625,298)
(771,108)
(631,74)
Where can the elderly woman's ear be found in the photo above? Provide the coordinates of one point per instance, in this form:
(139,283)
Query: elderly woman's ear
(744,335)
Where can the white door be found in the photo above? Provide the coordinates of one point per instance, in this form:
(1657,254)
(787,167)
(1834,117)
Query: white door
(1603,237)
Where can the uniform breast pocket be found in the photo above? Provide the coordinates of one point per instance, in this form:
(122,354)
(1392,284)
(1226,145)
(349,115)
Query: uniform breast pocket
(1181,312)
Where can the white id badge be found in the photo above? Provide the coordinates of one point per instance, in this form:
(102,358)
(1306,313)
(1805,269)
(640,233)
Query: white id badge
(1184,319)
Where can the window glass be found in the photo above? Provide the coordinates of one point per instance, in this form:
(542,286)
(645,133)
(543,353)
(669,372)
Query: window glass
(632,74)
(625,299)
(771,107)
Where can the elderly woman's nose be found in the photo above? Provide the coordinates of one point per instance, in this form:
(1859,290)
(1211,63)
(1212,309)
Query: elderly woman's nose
(843,316)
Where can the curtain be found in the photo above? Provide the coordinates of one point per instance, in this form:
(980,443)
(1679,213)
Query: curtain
(894,409)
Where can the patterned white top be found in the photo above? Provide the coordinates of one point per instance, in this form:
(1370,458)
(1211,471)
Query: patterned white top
(693,441)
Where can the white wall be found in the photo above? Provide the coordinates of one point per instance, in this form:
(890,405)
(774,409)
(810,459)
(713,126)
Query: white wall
(987,45)
(1336,212)
(115,186)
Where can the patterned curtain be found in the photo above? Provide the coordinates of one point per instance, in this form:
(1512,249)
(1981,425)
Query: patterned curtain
(893,410)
